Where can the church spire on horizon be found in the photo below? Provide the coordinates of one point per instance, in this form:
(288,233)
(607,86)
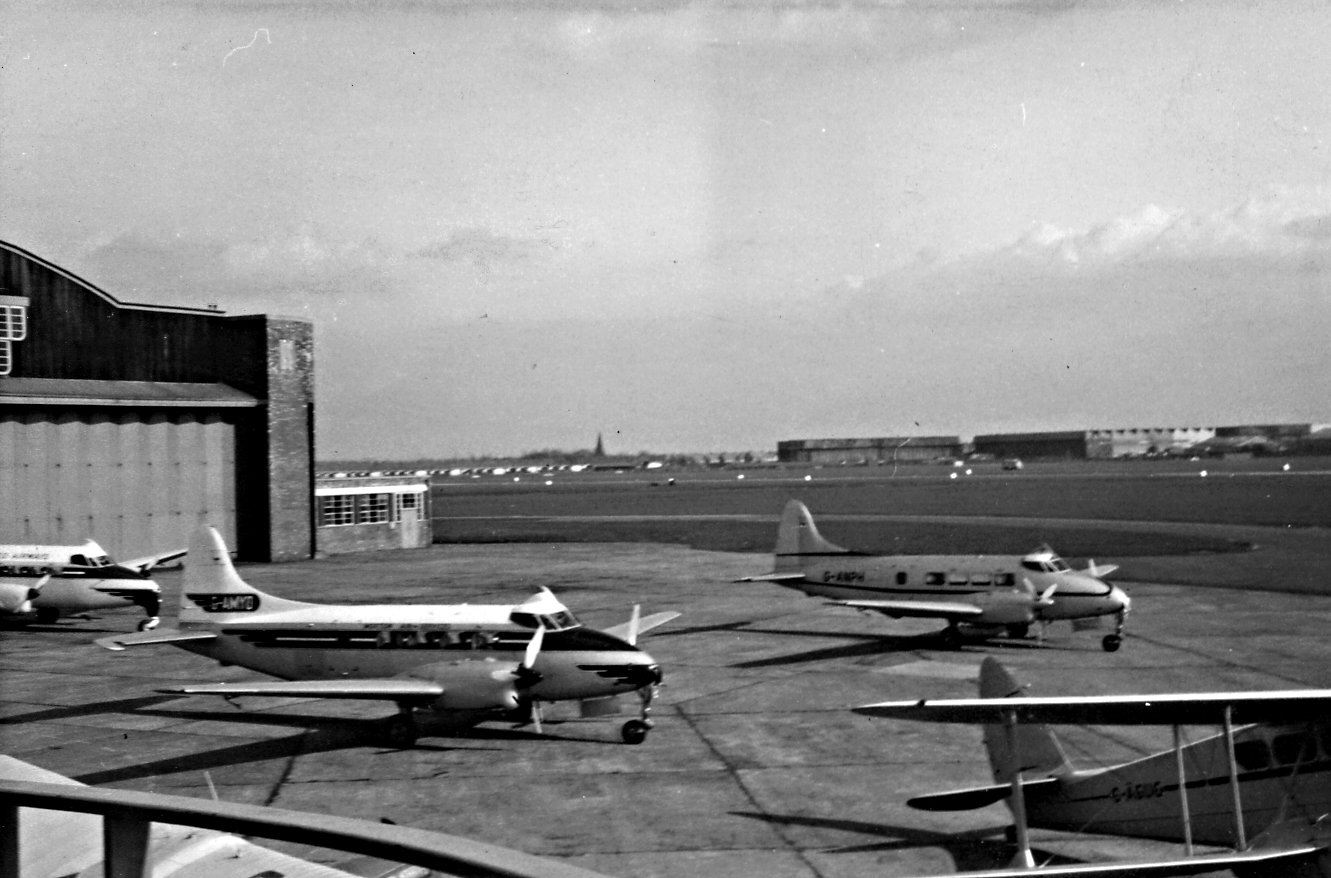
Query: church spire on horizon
(600,447)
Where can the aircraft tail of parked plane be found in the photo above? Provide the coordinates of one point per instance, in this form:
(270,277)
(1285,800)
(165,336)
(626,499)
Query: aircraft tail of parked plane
(213,593)
(987,595)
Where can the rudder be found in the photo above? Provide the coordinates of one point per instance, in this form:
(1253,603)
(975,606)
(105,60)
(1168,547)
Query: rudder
(213,591)
(1040,752)
(798,535)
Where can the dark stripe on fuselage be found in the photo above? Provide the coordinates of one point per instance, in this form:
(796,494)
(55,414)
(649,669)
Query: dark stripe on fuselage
(27,571)
(1302,770)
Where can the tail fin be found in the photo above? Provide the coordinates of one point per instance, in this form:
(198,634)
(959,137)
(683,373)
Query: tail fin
(213,592)
(1039,750)
(798,534)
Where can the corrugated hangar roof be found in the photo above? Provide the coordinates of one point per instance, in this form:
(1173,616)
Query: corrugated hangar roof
(80,391)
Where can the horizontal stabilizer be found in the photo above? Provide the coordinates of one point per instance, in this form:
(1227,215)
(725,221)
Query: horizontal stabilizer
(975,797)
(1174,708)
(774,577)
(371,690)
(148,562)
(645,624)
(918,609)
(117,642)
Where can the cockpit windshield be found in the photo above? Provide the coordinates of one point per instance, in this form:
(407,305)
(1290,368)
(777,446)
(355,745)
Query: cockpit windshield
(560,621)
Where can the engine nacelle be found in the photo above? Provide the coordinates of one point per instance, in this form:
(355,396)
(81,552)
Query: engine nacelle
(16,599)
(1005,608)
(483,684)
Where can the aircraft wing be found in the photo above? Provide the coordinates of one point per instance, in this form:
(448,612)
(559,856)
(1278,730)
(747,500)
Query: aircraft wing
(117,642)
(918,609)
(1272,860)
(645,624)
(148,562)
(1174,708)
(371,689)
(774,577)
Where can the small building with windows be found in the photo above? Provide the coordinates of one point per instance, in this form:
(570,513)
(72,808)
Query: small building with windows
(363,512)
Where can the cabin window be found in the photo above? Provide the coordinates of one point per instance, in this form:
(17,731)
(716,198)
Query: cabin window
(901,577)
(1004,579)
(981,579)
(526,620)
(1033,565)
(1292,748)
(958,579)
(1059,565)
(1252,755)
(80,560)
(935,578)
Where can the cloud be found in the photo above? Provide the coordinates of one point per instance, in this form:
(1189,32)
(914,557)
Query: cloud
(1280,222)
(480,246)
(308,249)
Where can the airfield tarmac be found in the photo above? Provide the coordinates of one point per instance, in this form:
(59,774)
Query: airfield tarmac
(755,766)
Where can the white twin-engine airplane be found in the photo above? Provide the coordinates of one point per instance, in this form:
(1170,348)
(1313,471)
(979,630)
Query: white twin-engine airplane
(472,662)
(39,583)
(1263,790)
(988,594)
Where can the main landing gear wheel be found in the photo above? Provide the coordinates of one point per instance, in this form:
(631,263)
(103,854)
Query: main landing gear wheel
(951,637)
(635,731)
(1018,632)
(401,732)
(1112,642)
(150,623)
(47,615)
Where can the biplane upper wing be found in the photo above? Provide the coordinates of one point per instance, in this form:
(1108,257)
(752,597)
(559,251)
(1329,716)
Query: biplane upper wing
(1173,708)
(1274,861)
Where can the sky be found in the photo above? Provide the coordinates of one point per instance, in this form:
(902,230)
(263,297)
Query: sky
(695,227)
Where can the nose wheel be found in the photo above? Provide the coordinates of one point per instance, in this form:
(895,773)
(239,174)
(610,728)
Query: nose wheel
(150,623)
(635,730)
(1112,642)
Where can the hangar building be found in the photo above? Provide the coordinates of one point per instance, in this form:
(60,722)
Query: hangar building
(882,450)
(132,424)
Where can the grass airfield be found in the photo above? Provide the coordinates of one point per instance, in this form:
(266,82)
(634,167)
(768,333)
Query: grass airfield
(755,766)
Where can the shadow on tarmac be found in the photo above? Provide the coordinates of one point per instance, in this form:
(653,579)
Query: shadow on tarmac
(319,734)
(971,850)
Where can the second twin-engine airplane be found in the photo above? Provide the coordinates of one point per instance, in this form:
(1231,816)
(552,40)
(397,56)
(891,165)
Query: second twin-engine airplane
(40,582)
(472,662)
(988,594)
(1263,790)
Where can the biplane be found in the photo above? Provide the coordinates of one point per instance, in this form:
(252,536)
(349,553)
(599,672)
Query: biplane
(1261,786)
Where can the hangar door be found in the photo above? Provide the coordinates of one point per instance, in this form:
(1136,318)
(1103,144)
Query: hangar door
(136,481)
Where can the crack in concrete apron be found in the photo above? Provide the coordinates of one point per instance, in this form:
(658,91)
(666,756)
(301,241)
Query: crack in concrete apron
(743,788)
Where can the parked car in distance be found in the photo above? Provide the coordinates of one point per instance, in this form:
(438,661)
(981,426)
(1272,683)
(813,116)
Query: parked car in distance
(1013,463)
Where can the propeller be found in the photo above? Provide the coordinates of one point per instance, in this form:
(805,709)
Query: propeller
(1045,599)
(526,675)
(632,636)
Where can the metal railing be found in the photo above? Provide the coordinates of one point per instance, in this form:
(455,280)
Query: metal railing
(128,817)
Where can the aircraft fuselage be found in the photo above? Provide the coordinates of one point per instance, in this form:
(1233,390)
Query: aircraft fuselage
(573,663)
(964,578)
(1283,772)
